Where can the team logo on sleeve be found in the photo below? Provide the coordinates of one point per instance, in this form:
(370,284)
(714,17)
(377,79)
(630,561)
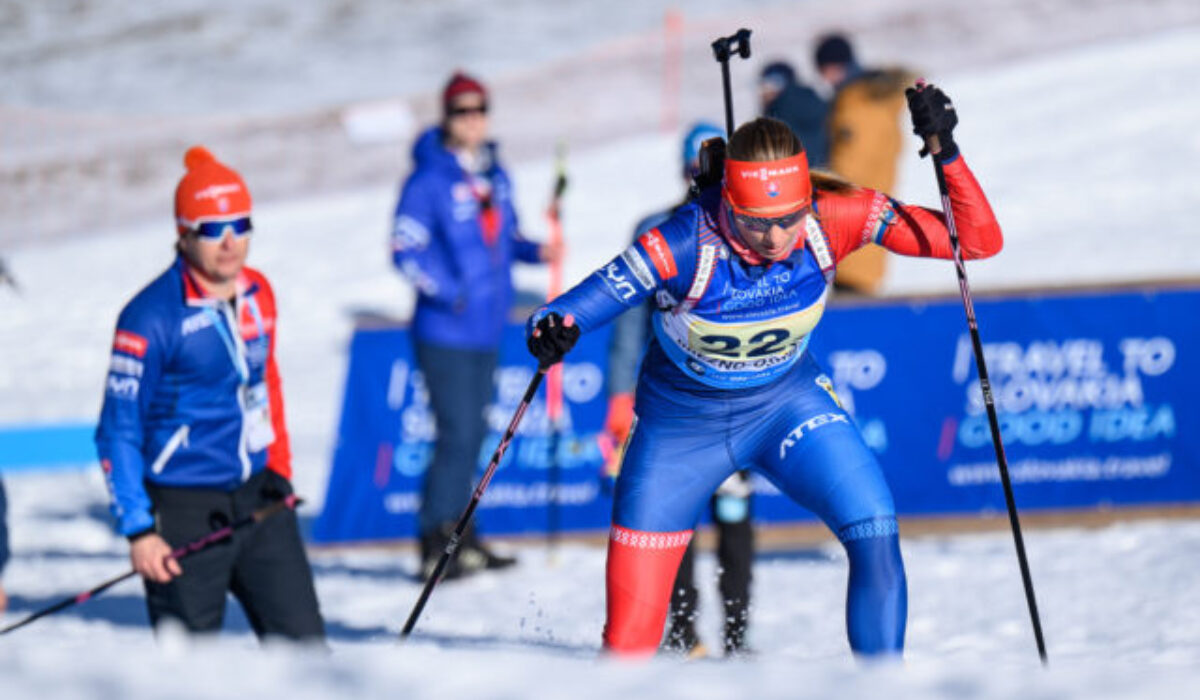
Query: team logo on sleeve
(660,254)
(122,387)
(409,234)
(120,364)
(617,282)
(130,344)
(633,260)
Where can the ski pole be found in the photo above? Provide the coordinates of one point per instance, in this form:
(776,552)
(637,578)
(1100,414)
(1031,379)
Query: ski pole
(186,550)
(934,147)
(554,392)
(451,549)
(723,50)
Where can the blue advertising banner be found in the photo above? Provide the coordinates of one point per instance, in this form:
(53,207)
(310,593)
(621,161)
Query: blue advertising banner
(385,443)
(1093,389)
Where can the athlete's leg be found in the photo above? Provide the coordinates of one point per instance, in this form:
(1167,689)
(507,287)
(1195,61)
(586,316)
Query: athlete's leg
(681,636)
(669,471)
(815,454)
(735,555)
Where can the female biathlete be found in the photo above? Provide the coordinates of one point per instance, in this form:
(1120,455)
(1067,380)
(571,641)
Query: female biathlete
(740,277)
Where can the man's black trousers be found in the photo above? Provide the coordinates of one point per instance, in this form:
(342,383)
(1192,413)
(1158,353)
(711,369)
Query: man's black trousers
(263,565)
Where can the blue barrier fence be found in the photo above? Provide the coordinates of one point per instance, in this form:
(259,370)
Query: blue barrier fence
(43,447)
(1094,390)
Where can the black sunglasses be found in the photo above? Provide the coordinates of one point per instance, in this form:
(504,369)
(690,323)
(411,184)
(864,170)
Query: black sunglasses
(762,224)
(462,111)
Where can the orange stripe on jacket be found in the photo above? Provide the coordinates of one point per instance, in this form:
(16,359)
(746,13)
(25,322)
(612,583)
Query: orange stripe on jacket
(279,453)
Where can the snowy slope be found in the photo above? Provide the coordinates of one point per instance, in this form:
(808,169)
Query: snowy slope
(1066,172)
(1120,608)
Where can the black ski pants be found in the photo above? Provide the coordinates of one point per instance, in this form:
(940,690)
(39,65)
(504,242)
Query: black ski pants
(263,565)
(735,557)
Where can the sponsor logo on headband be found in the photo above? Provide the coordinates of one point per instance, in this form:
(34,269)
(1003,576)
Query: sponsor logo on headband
(768,173)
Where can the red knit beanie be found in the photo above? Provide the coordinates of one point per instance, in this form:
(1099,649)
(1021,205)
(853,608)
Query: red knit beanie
(461,84)
(209,190)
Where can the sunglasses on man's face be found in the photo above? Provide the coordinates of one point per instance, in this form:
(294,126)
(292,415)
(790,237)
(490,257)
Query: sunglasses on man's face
(215,230)
(763,224)
(463,111)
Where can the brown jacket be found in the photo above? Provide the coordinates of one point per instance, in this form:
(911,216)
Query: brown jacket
(865,141)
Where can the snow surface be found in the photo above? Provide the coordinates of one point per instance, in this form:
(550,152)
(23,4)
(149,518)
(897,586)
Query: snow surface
(1087,152)
(1120,607)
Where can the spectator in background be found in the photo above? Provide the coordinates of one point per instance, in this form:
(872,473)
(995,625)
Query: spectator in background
(787,99)
(731,503)
(192,435)
(865,141)
(3,545)
(455,237)
(6,276)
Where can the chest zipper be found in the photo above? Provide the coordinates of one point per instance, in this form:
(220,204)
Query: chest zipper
(178,438)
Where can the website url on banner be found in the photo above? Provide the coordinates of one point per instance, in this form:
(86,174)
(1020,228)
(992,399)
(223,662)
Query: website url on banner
(506,496)
(1032,471)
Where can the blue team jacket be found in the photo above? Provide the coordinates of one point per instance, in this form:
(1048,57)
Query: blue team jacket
(464,288)
(178,400)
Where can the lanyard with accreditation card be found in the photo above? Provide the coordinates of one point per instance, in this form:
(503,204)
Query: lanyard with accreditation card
(253,398)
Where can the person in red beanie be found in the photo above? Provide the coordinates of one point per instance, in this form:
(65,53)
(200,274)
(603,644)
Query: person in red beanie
(455,237)
(192,435)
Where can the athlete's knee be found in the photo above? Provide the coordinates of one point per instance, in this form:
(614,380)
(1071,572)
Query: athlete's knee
(873,547)
(640,573)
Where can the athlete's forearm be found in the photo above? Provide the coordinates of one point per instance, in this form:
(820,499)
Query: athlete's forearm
(922,232)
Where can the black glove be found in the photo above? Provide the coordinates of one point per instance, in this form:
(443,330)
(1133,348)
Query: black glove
(552,338)
(933,115)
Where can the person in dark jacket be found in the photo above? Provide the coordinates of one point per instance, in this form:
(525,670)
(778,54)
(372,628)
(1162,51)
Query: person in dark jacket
(455,238)
(3,544)
(785,98)
(192,436)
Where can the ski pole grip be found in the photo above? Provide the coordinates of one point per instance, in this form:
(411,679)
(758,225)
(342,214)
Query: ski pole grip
(743,42)
(933,145)
(726,46)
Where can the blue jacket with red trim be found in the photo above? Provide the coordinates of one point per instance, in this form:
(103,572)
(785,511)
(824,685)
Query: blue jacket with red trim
(193,397)
(464,287)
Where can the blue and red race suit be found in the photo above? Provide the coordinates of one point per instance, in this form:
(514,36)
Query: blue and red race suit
(726,385)
(192,397)
(455,238)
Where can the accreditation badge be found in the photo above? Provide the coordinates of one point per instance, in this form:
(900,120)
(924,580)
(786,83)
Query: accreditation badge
(259,431)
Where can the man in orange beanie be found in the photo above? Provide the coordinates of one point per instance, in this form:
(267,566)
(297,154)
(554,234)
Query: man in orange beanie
(192,435)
